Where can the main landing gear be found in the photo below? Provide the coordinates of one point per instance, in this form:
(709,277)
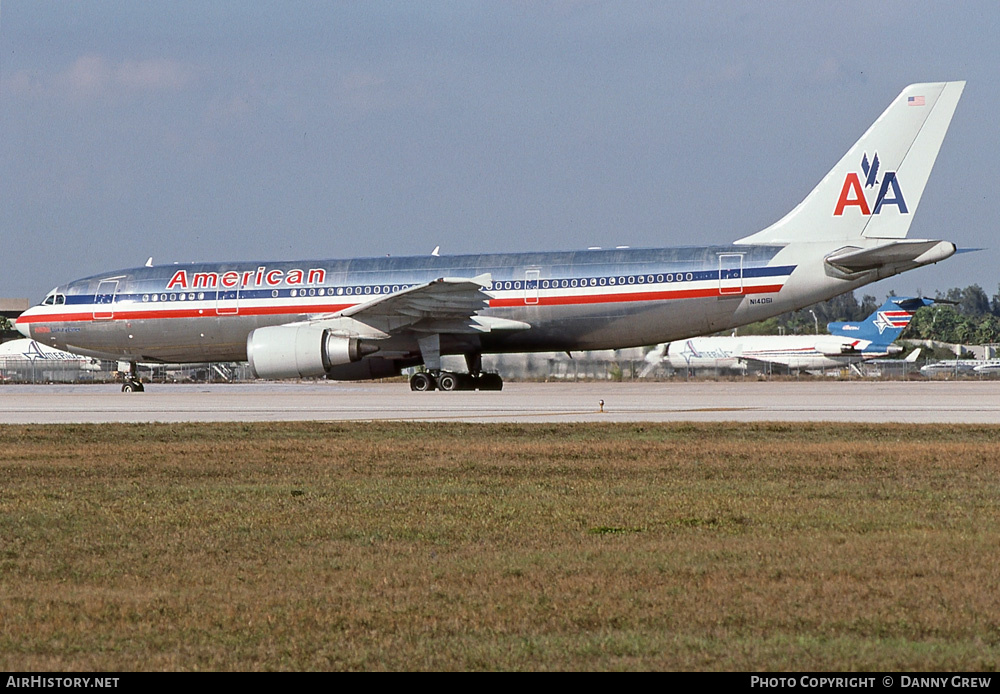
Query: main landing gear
(435,378)
(448,381)
(132,383)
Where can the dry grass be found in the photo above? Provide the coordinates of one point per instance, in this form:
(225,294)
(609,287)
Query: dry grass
(500,547)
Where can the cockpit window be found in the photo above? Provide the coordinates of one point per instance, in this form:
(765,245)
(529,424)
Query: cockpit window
(54,300)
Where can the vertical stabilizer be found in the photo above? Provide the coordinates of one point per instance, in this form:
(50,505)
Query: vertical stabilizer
(885,325)
(874,190)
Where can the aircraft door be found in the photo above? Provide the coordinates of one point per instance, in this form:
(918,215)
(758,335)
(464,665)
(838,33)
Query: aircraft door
(104,300)
(730,273)
(227,302)
(531,286)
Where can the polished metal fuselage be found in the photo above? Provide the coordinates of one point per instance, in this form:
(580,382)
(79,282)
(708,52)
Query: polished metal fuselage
(584,300)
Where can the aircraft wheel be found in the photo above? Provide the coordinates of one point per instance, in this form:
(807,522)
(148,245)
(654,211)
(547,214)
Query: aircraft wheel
(132,387)
(448,381)
(421,382)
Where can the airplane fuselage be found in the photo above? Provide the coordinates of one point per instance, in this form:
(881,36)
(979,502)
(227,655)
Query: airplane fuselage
(789,351)
(594,299)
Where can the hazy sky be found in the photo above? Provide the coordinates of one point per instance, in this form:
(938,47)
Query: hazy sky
(212,130)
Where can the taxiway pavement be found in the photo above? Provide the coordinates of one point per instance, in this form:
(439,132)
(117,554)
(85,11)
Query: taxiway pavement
(703,401)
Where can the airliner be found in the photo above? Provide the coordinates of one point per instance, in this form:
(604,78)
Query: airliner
(847,343)
(365,318)
(962,367)
(17,352)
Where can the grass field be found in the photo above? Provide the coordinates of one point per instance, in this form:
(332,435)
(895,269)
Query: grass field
(311,546)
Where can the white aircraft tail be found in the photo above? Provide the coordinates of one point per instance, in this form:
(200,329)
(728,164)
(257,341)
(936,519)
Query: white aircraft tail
(874,190)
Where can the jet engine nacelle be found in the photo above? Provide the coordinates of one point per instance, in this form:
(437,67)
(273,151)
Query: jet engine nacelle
(301,351)
(834,347)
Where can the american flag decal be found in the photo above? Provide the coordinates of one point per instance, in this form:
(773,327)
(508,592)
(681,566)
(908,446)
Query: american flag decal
(914,101)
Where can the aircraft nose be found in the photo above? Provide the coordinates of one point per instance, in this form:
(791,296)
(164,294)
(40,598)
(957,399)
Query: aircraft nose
(22,327)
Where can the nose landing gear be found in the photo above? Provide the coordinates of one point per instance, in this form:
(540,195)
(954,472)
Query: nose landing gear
(132,383)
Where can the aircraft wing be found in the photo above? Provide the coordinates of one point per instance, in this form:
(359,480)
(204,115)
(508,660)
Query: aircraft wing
(445,305)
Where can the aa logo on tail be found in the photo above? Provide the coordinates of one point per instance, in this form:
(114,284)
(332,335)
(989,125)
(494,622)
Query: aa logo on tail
(853,194)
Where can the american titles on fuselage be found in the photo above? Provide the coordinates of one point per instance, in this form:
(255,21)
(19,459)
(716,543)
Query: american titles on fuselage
(232,279)
(183,284)
(263,277)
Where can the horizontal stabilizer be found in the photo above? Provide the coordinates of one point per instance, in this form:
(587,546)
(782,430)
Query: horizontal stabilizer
(854,259)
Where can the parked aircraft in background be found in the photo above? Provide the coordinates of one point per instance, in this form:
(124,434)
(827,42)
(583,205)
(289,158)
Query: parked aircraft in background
(371,317)
(847,343)
(962,367)
(25,351)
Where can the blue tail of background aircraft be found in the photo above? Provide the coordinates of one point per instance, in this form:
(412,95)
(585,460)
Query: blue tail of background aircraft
(885,325)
